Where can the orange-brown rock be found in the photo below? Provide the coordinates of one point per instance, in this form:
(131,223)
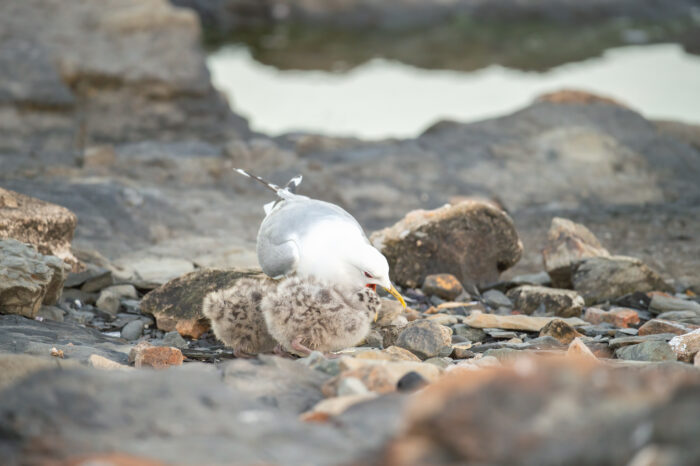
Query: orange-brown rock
(49,227)
(619,317)
(572,96)
(656,326)
(157,357)
(560,330)
(443,285)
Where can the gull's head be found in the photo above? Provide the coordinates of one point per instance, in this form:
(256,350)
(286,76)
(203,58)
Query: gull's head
(370,268)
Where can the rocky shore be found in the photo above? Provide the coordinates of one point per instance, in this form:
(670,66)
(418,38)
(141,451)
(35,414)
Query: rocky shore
(549,259)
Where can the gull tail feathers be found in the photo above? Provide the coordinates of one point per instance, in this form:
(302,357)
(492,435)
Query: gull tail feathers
(285,193)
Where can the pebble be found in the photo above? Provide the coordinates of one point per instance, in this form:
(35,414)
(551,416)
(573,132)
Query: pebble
(660,304)
(578,349)
(472,334)
(374,339)
(426,339)
(561,331)
(500,334)
(351,386)
(175,340)
(686,346)
(619,317)
(541,300)
(133,330)
(461,351)
(624,341)
(655,326)
(443,285)
(411,382)
(646,351)
(157,357)
(514,322)
(496,299)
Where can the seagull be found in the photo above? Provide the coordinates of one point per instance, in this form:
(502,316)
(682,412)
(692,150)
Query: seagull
(310,238)
(327,273)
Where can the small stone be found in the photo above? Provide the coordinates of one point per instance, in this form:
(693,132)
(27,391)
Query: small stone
(351,386)
(655,326)
(462,351)
(110,297)
(503,355)
(501,334)
(444,319)
(393,353)
(660,304)
(51,313)
(541,300)
(514,322)
(647,351)
(578,349)
(133,330)
(425,339)
(563,332)
(472,334)
(374,339)
(496,299)
(620,317)
(175,340)
(600,279)
(57,353)
(626,341)
(442,363)
(158,357)
(444,285)
(411,382)
(568,243)
(686,346)
(100,362)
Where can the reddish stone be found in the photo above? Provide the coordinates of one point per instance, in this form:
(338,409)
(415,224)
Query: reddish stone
(655,326)
(619,317)
(158,357)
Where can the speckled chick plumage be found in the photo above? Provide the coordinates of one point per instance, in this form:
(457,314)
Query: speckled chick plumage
(236,316)
(319,316)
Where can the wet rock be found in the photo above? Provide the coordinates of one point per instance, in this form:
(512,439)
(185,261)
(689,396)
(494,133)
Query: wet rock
(473,241)
(425,339)
(600,279)
(516,322)
(619,317)
(133,330)
(686,346)
(48,227)
(27,278)
(21,335)
(563,332)
(470,333)
(496,299)
(660,304)
(177,305)
(655,326)
(453,421)
(157,357)
(647,351)
(444,285)
(546,301)
(568,243)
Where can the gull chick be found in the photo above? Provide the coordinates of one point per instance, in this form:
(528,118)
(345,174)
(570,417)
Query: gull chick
(236,317)
(322,247)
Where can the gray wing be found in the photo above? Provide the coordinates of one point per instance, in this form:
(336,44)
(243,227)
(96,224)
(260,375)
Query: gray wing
(278,251)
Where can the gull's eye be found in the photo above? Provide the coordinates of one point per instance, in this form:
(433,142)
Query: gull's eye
(368,275)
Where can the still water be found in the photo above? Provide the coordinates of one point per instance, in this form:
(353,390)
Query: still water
(384,98)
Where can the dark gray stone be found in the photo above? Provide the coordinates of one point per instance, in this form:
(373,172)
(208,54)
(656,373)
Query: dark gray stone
(470,333)
(625,341)
(647,351)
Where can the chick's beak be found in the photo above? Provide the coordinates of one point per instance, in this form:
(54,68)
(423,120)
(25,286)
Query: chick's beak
(396,295)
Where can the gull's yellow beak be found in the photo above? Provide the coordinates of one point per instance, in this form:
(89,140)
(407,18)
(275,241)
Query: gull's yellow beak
(396,295)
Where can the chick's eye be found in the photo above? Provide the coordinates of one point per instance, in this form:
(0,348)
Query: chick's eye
(368,275)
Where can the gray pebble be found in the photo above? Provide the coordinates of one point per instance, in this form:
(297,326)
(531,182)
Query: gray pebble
(132,330)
